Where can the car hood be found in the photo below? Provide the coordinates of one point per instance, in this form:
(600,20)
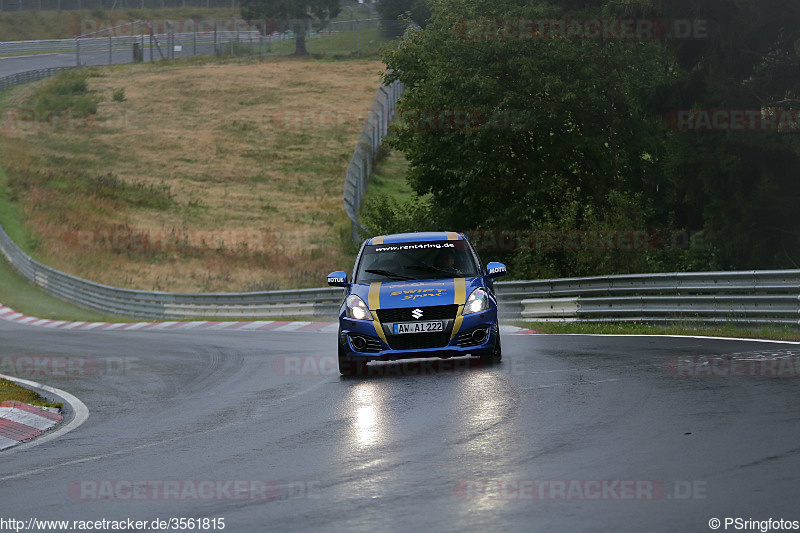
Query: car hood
(403,294)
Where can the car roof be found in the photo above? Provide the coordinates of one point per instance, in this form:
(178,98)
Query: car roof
(422,236)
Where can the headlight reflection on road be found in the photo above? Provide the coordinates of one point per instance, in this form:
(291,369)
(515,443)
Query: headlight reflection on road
(367,429)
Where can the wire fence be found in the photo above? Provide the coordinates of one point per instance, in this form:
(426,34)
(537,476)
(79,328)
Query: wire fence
(136,41)
(359,170)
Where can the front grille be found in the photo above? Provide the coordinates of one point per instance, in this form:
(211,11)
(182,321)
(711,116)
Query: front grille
(418,341)
(434,312)
(373,344)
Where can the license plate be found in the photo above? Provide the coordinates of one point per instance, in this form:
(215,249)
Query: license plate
(418,327)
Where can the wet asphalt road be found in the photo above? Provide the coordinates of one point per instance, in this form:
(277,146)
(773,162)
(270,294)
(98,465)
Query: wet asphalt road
(570,433)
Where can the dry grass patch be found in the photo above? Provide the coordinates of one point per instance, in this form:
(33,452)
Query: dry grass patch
(219,177)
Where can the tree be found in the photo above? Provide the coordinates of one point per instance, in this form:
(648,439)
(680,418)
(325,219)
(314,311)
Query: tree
(740,187)
(511,130)
(391,12)
(523,133)
(297,12)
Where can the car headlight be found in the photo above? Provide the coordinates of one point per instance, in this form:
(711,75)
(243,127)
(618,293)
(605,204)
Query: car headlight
(478,301)
(356,308)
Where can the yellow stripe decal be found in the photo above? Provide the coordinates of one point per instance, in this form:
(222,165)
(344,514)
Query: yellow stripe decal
(377,240)
(451,235)
(374,304)
(460,286)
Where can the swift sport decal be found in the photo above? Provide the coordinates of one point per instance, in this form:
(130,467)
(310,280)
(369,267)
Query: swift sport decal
(427,293)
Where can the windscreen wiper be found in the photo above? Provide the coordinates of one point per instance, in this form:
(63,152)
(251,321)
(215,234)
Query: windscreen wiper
(393,275)
(428,268)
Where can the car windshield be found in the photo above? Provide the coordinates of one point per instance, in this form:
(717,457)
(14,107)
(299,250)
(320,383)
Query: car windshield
(416,260)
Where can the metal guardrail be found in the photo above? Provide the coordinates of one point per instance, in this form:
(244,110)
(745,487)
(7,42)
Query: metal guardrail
(750,296)
(166,306)
(6,82)
(766,296)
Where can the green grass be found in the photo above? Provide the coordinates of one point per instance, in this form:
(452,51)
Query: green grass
(11,216)
(786,333)
(389,178)
(341,45)
(18,293)
(22,296)
(69,90)
(362,43)
(10,391)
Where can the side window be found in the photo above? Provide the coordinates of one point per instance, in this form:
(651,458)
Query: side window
(476,258)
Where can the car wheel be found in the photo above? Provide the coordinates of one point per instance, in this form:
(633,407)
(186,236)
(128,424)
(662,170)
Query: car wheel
(349,366)
(495,356)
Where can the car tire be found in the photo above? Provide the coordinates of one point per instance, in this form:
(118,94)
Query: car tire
(349,366)
(495,356)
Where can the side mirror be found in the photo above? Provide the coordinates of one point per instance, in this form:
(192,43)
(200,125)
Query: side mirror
(338,279)
(494,270)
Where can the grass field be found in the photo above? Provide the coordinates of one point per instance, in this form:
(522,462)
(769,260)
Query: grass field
(224,176)
(389,178)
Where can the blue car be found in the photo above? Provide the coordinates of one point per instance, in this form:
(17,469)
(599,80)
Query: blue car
(417,295)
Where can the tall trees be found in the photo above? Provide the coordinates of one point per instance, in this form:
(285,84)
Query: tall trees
(391,11)
(507,128)
(514,133)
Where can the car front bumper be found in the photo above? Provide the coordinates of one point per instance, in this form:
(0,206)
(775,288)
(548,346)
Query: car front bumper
(476,335)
